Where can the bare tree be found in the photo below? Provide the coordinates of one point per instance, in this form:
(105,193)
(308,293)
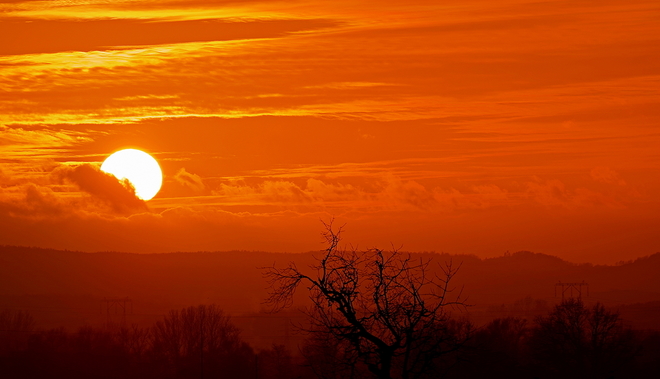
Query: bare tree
(388,307)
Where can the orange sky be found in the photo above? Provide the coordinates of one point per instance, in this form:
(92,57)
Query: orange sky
(457,126)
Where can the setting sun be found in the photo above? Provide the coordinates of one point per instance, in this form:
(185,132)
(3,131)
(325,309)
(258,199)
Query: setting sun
(139,168)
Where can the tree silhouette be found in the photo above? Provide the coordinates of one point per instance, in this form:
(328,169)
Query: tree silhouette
(15,328)
(330,358)
(389,308)
(201,341)
(276,363)
(498,349)
(577,341)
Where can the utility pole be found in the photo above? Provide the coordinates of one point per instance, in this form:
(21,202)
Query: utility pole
(201,343)
(256,365)
(571,289)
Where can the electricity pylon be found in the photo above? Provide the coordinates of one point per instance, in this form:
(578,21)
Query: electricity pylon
(572,289)
(116,306)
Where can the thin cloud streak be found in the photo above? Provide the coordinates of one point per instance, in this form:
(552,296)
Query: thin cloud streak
(479,123)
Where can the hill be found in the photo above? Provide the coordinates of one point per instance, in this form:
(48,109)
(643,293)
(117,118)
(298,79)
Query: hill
(66,287)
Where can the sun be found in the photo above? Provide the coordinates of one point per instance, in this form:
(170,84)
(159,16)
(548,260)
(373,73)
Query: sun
(139,168)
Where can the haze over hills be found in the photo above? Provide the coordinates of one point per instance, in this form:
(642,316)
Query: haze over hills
(66,287)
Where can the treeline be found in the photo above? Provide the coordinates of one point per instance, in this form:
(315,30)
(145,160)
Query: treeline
(570,341)
(573,340)
(195,342)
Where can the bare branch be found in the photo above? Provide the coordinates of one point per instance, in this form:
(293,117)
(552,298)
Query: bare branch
(387,306)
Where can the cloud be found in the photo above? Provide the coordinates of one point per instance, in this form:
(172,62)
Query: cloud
(269,191)
(64,192)
(104,187)
(400,192)
(477,197)
(322,191)
(606,175)
(51,36)
(554,193)
(387,192)
(32,201)
(38,142)
(189,180)
(390,209)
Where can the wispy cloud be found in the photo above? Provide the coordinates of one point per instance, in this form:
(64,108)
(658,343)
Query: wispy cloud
(414,116)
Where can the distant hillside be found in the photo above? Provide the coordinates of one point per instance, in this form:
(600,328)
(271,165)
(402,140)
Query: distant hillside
(524,273)
(32,278)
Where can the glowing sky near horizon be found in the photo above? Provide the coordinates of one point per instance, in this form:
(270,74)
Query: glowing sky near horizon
(465,127)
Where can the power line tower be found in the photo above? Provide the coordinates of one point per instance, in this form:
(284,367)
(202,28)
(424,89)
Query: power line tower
(116,307)
(571,289)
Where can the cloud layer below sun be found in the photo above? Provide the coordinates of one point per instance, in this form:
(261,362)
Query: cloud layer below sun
(465,126)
